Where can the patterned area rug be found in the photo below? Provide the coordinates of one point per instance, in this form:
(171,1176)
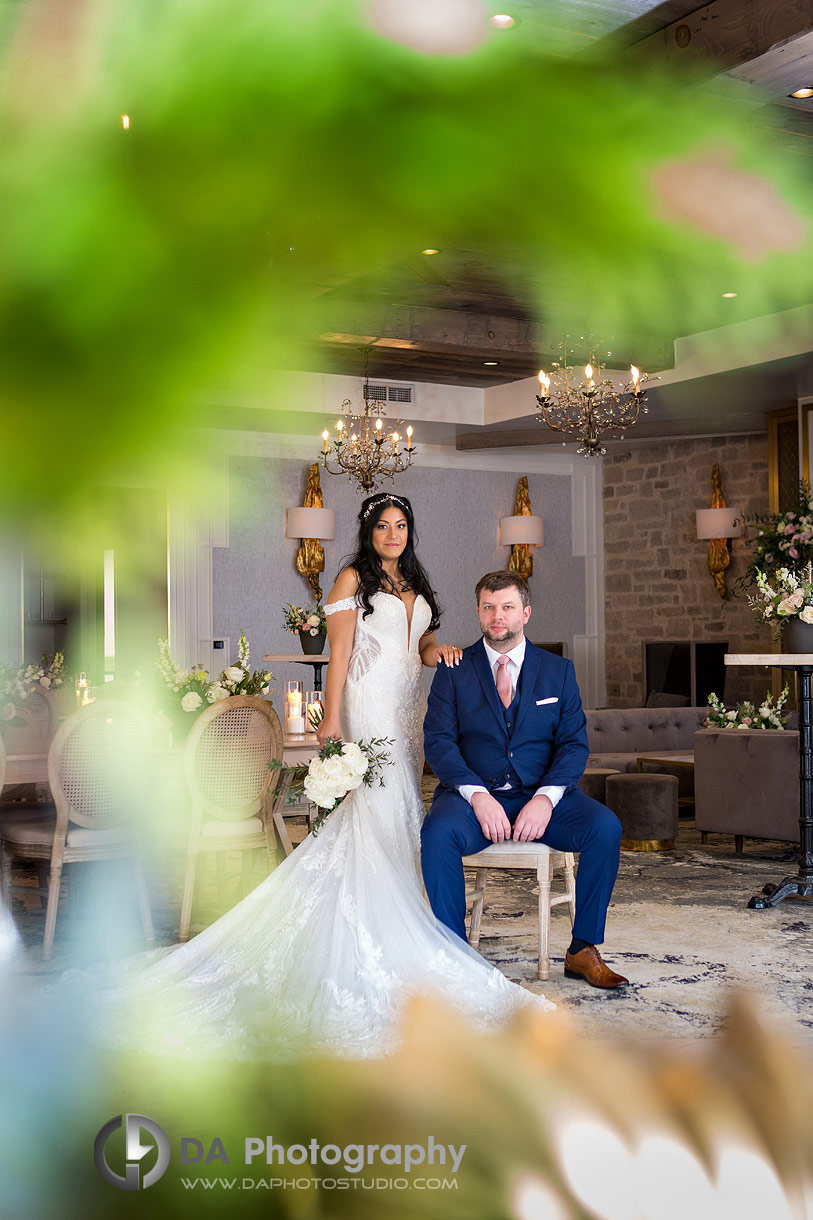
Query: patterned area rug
(678,927)
(680,930)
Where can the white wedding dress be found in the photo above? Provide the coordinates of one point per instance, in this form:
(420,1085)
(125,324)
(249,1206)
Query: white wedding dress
(323,954)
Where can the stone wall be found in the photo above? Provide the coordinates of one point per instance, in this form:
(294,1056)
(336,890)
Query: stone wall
(657,584)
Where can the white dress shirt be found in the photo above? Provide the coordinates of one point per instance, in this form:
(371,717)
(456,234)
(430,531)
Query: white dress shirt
(554,792)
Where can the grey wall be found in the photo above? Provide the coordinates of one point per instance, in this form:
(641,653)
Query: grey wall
(456,513)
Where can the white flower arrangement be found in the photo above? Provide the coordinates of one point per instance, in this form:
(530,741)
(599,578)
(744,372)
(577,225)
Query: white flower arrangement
(307,620)
(337,769)
(16,683)
(746,715)
(193,689)
(790,596)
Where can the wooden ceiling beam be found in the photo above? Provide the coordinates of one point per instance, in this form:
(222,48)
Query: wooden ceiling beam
(454,333)
(726,33)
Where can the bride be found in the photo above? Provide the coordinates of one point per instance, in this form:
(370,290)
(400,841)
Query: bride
(323,954)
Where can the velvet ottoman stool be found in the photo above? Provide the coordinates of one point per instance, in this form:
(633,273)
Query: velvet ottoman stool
(593,782)
(647,807)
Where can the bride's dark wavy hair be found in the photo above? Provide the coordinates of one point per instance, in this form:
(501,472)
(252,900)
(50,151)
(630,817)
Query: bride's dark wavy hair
(368,563)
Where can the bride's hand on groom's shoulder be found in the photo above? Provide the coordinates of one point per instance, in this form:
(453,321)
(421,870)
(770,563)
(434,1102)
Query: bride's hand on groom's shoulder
(449,654)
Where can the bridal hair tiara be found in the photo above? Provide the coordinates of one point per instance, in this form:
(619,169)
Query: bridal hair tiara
(379,500)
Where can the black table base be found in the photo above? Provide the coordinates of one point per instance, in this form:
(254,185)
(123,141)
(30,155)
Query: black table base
(772,895)
(800,886)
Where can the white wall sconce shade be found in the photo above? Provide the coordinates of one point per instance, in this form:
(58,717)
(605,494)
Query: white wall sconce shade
(719,522)
(522,531)
(311,523)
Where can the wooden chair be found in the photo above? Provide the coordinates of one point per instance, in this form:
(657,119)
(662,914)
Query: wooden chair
(96,770)
(529,857)
(226,760)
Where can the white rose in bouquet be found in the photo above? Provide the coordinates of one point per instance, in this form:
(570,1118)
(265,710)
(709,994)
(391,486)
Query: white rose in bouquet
(320,792)
(807,614)
(333,768)
(312,620)
(356,759)
(216,692)
(233,674)
(191,701)
(46,682)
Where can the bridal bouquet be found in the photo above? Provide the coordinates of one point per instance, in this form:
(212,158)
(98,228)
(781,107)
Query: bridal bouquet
(338,768)
(768,715)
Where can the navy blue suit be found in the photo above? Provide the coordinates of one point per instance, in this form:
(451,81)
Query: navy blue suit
(471,738)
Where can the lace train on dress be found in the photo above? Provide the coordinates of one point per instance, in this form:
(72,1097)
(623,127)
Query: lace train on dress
(323,954)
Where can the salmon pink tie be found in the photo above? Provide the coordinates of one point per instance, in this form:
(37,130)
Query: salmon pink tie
(503,681)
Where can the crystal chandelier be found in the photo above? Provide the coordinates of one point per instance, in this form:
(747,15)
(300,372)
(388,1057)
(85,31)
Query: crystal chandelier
(592,408)
(362,450)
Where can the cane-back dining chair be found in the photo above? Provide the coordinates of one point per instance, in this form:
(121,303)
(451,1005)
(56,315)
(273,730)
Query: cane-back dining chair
(226,760)
(97,774)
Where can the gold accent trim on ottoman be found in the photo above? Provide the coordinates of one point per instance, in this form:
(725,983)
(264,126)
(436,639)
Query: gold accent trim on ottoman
(647,844)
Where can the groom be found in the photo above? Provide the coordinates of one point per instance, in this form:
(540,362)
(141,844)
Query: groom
(505,734)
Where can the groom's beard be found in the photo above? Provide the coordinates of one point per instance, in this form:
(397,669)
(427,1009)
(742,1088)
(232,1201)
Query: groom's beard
(499,642)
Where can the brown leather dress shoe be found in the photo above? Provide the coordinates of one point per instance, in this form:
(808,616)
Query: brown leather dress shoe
(587,965)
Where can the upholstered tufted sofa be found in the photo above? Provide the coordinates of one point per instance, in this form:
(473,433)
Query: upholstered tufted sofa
(619,736)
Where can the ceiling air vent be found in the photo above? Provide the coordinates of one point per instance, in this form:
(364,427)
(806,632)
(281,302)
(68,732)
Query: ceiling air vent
(382,391)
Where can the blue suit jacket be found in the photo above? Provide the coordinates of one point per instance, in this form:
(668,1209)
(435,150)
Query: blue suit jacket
(465,736)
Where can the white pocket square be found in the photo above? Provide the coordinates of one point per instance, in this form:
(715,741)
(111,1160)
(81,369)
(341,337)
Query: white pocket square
(539,702)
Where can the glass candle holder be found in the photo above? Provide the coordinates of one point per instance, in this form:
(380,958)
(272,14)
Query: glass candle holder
(295,708)
(314,710)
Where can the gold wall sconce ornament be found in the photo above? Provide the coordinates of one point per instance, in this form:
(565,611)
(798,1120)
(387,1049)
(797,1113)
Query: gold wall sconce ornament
(522,531)
(719,524)
(310,523)
(592,409)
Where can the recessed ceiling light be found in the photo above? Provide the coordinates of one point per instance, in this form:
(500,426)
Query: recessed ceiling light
(728,295)
(502,21)
(430,251)
(805,91)
(490,363)
(125,121)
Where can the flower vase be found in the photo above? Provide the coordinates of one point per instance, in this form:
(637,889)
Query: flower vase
(797,636)
(312,644)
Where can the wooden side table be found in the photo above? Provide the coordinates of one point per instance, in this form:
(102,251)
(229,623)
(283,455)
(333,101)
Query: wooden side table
(318,661)
(801,885)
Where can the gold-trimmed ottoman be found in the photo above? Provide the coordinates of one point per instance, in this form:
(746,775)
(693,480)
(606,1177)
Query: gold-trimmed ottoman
(647,807)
